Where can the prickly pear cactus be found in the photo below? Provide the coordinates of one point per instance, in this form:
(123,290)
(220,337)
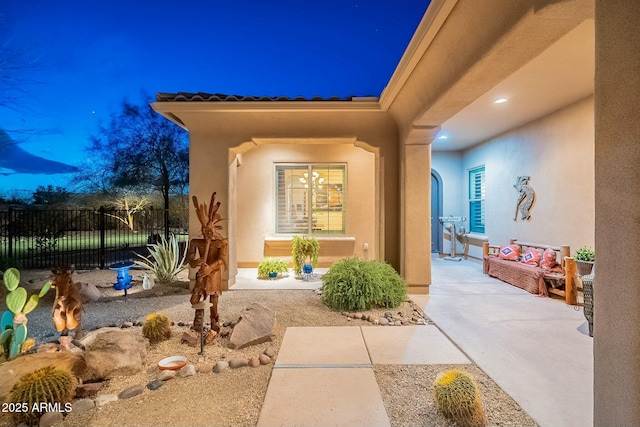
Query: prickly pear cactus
(13,323)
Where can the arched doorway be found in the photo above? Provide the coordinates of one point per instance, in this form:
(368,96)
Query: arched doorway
(436,212)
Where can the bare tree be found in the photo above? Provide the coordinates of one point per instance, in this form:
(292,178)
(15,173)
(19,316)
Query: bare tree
(138,151)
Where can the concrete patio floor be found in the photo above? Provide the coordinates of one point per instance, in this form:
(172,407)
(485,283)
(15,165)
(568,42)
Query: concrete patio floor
(536,349)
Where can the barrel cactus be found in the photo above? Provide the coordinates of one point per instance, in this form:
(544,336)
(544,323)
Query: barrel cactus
(38,390)
(156,327)
(13,323)
(457,397)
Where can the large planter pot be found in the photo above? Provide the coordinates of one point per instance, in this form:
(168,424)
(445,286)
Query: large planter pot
(584,267)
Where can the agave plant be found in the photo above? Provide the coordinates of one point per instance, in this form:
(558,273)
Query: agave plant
(164,259)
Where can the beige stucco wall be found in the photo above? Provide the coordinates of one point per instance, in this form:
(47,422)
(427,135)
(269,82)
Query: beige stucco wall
(256,188)
(557,152)
(616,301)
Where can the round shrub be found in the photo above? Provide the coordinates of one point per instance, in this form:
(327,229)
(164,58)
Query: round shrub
(354,284)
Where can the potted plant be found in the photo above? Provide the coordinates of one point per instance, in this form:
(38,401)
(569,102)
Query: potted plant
(585,257)
(271,268)
(304,250)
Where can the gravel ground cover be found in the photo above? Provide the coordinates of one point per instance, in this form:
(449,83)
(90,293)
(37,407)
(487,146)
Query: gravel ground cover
(234,397)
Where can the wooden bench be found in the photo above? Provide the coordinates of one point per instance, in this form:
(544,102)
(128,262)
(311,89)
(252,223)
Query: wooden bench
(560,281)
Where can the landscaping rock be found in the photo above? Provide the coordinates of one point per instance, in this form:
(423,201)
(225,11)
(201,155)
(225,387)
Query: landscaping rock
(130,392)
(82,406)
(253,362)
(270,352)
(154,385)
(167,375)
(257,325)
(190,338)
(264,359)
(220,366)
(238,363)
(127,324)
(103,399)
(88,390)
(187,371)
(47,348)
(13,370)
(50,418)
(383,321)
(113,352)
(89,293)
(205,368)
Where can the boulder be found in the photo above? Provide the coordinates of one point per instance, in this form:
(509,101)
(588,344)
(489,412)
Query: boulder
(257,325)
(12,371)
(89,293)
(112,352)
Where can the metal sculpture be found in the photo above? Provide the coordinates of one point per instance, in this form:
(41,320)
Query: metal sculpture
(209,254)
(67,307)
(526,198)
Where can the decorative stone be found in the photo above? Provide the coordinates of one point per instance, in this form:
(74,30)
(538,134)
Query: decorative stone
(384,321)
(253,362)
(205,368)
(113,352)
(50,418)
(154,385)
(130,392)
(88,390)
(166,375)
(89,293)
(103,399)
(264,359)
(190,338)
(220,366)
(127,324)
(358,315)
(187,371)
(238,363)
(257,325)
(82,406)
(270,352)
(224,332)
(373,319)
(47,348)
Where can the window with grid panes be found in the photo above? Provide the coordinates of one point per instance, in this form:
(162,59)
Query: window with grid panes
(476,199)
(310,198)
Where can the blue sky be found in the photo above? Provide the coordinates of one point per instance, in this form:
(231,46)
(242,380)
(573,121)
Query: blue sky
(85,57)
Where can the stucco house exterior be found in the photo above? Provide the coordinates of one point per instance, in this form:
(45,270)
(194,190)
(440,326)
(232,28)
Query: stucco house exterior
(381,170)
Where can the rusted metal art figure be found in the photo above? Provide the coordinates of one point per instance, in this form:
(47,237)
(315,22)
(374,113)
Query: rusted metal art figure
(209,254)
(67,307)
(525,199)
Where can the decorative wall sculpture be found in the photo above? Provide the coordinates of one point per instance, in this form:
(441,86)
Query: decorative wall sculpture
(526,198)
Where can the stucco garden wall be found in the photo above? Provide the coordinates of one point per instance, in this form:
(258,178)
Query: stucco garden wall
(557,152)
(256,185)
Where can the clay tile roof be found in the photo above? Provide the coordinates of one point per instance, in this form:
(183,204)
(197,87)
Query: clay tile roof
(219,97)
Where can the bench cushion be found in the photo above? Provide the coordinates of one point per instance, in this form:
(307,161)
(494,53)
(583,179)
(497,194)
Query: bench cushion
(523,276)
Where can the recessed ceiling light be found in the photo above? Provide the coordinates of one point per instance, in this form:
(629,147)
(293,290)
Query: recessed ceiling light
(443,137)
(500,101)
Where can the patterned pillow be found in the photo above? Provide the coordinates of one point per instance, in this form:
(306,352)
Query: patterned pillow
(548,260)
(510,252)
(531,257)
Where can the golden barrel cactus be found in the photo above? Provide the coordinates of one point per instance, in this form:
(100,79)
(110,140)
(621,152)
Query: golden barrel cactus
(457,397)
(156,328)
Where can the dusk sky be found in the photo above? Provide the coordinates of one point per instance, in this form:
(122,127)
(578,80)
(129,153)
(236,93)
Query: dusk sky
(83,58)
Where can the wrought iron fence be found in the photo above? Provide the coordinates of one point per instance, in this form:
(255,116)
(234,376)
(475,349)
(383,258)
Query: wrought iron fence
(46,238)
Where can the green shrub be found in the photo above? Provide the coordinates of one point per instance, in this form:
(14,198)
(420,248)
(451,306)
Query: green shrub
(165,260)
(271,265)
(585,254)
(353,284)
